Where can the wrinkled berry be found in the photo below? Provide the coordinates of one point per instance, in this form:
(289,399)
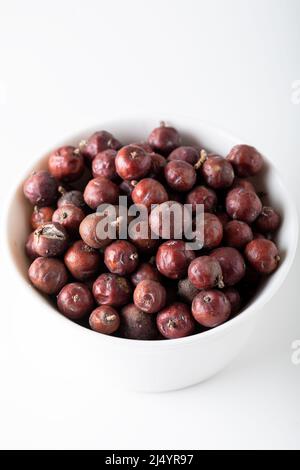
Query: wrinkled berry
(246,160)
(175,321)
(148,191)
(164,139)
(232,264)
(99,141)
(48,275)
(237,234)
(180,175)
(210,308)
(50,239)
(173,258)
(41,215)
(149,296)
(66,164)
(268,220)
(132,162)
(104,164)
(217,172)
(75,301)
(243,205)
(205,273)
(104,319)
(41,188)
(70,217)
(82,261)
(262,255)
(100,190)
(110,289)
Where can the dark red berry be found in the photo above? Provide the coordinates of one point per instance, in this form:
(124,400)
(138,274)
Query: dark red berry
(121,257)
(104,319)
(110,289)
(237,234)
(217,172)
(41,215)
(173,258)
(149,296)
(48,275)
(180,175)
(70,217)
(132,162)
(232,264)
(99,141)
(268,220)
(71,197)
(164,139)
(210,308)
(50,239)
(246,160)
(104,164)
(75,301)
(100,190)
(263,255)
(205,273)
(136,324)
(145,271)
(82,261)
(186,154)
(66,164)
(202,195)
(243,205)
(41,189)
(175,321)
(148,191)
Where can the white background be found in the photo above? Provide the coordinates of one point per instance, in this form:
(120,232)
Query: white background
(66,65)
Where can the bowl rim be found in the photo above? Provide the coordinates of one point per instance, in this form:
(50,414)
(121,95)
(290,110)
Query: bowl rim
(154,345)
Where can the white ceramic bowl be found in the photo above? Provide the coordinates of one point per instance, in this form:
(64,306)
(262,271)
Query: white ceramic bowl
(145,365)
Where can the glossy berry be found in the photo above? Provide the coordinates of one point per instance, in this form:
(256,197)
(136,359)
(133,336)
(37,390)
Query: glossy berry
(175,321)
(268,220)
(243,205)
(246,160)
(41,188)
(121,257)
(48,275)
(210,308)
(82,261)
(180,175)
(66,164)
(234,298)
(104,319)
(100,190)
(136,324)
(232,264)
(202,195)
(211,230)
(164,139)
(145,271)
(110,289)
(99,141)
(186,290)
(205,273)
(41,215)
(173,258)
(186,154)
(132,162)
(75,300)
(104,164)
(149,296)
(217,172)
(90,232)
(262,255)
(237,234)
(30,248)
(50,239)
(148,191)
(74,197)
(70,217)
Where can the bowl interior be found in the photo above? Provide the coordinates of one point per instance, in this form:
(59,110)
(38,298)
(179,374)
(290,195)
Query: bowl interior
(195,132)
